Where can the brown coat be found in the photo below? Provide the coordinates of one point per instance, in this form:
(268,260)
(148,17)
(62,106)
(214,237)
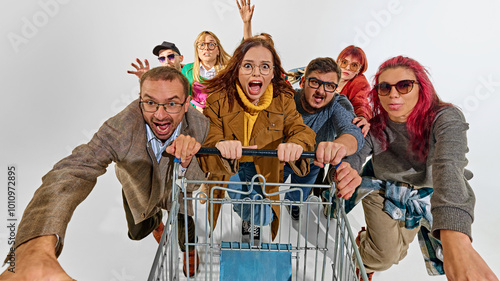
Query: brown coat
(147,184)
(279,123)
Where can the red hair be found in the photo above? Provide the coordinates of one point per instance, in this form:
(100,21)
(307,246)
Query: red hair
(357,53)
(419,122)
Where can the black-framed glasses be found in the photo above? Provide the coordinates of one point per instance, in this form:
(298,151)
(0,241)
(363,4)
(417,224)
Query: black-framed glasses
(170,107)
(315,83)
(209,45)
(170,57)
(403,87)
(352,66)
(248,68)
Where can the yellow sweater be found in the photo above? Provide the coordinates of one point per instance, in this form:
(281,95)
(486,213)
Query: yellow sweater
(251,113)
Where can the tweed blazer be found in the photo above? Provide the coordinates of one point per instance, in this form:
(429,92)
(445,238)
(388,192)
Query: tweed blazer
(146,183)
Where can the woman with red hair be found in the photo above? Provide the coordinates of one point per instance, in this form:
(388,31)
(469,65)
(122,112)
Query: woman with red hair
(353,84)
(418,145)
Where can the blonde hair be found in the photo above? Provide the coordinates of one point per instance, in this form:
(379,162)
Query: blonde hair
(222,57)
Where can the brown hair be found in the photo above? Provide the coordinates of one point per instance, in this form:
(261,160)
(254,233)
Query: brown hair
(323,65)
(226,80)
(165,73)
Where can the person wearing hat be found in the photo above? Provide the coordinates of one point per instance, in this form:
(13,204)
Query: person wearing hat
(168,55)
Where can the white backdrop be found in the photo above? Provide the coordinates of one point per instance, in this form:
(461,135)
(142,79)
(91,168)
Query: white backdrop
(64,68)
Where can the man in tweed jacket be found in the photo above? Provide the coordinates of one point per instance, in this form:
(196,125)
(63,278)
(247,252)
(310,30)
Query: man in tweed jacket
(162,114)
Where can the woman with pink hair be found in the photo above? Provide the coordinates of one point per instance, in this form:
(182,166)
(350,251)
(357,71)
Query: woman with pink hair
(418,144)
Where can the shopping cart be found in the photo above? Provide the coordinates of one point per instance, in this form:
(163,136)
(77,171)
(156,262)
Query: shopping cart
(311,248)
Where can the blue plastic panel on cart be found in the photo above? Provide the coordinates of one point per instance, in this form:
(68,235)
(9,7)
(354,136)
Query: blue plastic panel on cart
(238,262)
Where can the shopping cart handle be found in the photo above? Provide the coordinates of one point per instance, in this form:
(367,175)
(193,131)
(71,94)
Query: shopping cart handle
(255,152)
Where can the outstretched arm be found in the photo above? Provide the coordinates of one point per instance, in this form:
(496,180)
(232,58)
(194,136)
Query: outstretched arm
(246,13)
(461,261)
(36,260)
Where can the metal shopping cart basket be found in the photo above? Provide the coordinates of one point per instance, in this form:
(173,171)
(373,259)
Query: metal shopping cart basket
(313,247)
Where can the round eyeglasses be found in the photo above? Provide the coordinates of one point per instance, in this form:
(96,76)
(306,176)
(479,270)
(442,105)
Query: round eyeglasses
(248,68)
(209,45)
(352,66)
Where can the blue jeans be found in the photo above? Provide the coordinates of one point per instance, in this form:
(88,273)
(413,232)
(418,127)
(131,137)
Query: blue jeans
(245,173)
(307,179)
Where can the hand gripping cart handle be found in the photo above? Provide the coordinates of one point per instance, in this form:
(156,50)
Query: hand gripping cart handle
(314,247)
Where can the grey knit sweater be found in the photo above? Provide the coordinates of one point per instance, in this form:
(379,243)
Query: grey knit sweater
(452,204)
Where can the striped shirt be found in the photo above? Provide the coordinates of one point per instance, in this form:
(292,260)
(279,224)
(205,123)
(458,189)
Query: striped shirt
(156,144)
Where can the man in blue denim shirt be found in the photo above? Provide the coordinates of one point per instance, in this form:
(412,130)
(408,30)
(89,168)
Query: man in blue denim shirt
(330,116)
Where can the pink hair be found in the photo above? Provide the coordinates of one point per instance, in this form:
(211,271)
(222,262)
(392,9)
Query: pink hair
(420,120)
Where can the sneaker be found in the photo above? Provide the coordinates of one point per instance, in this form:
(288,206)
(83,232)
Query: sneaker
(158,232)
(295,213)
(246,232)
(193,258)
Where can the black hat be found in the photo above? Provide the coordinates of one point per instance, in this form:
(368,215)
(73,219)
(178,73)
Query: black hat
(165,45)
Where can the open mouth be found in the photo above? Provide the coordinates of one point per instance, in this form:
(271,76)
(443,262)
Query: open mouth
(318,98)
(254,87)
(162,128)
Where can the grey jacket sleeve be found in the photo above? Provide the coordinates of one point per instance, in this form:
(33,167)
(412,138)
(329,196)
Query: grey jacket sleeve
(452,204)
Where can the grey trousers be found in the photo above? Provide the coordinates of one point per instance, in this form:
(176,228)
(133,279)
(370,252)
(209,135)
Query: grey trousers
(385,241)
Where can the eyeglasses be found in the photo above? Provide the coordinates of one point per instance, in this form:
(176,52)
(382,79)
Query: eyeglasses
(248,68)
(353,66)
(316,83)
(403,87)
(170,57)
(210,45)
(170,107)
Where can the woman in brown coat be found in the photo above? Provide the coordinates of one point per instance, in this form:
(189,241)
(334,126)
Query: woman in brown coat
(251,105)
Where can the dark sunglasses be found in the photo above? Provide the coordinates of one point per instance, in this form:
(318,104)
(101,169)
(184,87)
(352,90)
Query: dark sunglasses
(169,57)
(403,87)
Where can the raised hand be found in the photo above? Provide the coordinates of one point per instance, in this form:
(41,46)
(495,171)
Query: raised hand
(246,10)
(246,13)
(140,68)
